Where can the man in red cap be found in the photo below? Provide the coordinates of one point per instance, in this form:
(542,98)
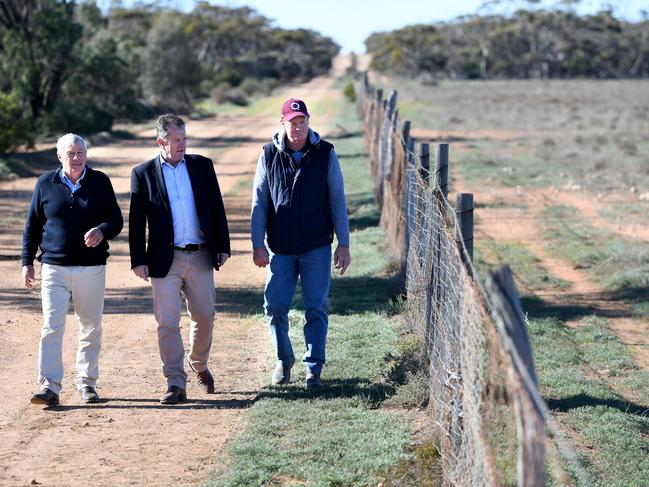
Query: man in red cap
(298,202)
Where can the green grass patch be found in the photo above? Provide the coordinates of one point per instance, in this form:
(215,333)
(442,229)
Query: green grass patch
(626,213)
(502,163)
(601,349)
(407,369)
(587,375)
(641,310)
(422,468)
(526,266)
(321,442)
(622,266)
(615,444)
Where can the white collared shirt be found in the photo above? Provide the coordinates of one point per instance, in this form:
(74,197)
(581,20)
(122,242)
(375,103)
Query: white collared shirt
(187,229)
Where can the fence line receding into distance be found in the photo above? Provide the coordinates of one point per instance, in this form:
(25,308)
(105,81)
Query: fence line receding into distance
(487,413)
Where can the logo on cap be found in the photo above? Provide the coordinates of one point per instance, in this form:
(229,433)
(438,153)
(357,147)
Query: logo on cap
(294,108)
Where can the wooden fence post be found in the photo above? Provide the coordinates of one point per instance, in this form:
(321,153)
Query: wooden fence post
(464,228)
(405,132)
(410,188)
(530,420)
(441,169)
(392,102)
(424,159)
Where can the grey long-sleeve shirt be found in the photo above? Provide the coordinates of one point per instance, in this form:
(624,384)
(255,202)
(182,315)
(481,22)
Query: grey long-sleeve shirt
(261,191)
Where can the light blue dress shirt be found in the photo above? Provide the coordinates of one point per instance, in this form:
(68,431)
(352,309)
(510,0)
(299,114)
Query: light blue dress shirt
(73,186)
(187,229)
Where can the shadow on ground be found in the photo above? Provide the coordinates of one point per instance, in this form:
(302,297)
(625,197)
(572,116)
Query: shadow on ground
(583,400)
(374,393)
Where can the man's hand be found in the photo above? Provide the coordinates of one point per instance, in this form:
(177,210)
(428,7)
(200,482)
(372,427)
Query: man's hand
(142,271)
(223,258)
(260,257)
(28,276)
(93,237)
(342,258)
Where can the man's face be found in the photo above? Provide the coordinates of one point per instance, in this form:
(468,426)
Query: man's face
(173,148)
(297,129)
(73,160)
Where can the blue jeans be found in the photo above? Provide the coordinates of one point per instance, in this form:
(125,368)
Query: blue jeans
(314,270)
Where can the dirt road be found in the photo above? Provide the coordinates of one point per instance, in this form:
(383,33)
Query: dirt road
(129,438)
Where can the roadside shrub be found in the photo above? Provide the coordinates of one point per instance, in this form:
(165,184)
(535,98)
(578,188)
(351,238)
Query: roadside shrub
(236,96)
(224,93)
(14,127)
(269,85)
(350,92)
(251,86)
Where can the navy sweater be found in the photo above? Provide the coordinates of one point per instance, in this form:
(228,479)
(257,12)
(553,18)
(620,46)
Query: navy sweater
(58,219)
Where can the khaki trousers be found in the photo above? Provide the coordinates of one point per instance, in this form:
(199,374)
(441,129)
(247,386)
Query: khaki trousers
(191,274)
(84,286)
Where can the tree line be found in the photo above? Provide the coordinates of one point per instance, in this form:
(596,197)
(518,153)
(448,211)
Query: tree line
(69,66)
(526,44)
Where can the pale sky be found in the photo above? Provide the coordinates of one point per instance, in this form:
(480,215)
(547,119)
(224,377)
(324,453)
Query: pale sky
(350,22)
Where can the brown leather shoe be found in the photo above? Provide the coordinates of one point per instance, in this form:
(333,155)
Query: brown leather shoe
(174,395)
(205,381)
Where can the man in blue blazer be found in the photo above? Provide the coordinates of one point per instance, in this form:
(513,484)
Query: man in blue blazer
(177,196)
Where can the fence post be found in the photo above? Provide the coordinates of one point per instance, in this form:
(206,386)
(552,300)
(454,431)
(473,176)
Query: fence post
(392,102)
(424,159)
(410,197)
(405,132)
(530,421)
(441,169)
(464,228)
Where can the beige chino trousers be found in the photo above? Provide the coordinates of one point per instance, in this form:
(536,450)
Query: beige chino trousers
(84,286)
(191,274)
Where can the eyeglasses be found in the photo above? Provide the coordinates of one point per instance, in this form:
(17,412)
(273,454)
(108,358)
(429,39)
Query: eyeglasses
(70,155)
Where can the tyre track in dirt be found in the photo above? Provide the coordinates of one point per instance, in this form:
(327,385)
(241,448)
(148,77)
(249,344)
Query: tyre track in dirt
(513,216)
(129,438)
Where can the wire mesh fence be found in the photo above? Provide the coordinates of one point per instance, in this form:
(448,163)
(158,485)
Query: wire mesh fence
(484,402)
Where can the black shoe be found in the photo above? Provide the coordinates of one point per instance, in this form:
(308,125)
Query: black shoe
(282,372)
(313,382)
(46,396)
(205,381)
(174,395)
(88,395)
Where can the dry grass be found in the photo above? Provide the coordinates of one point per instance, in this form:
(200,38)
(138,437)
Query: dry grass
(555,132)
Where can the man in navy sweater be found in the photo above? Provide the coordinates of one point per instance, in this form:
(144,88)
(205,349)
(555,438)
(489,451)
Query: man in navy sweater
(73,214)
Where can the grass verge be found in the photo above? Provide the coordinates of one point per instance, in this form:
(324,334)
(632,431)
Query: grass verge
(591,384)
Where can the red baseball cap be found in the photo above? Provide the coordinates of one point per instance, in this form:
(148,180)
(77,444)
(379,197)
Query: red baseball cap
(294,108)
